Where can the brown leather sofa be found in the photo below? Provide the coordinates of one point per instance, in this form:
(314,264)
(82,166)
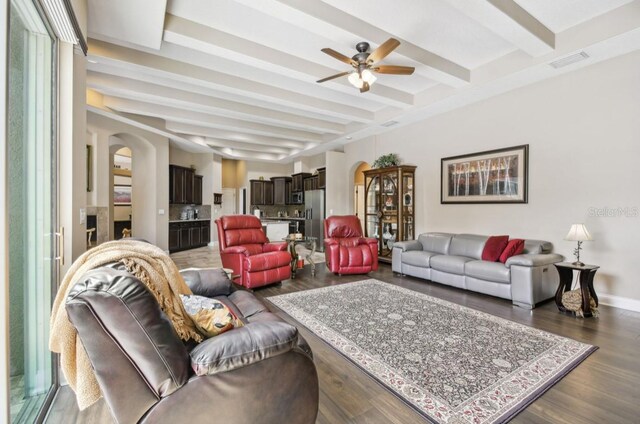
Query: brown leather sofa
(262,372)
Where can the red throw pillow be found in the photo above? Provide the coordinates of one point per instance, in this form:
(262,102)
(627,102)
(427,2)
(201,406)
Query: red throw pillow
(514,247)
(494,247)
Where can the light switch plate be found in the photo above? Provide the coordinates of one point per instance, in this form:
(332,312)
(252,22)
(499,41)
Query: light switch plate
(160,211)
(83,216)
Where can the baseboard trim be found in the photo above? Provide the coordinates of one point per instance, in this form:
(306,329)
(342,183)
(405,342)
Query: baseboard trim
(619,302)
(213,244)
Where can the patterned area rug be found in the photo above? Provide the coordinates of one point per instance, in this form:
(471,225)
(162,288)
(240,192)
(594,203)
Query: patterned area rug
(451,363)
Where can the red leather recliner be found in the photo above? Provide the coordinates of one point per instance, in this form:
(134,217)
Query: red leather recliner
(244,247)
(345,250)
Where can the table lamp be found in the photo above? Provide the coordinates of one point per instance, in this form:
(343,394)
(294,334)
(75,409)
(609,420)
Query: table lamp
(579,233)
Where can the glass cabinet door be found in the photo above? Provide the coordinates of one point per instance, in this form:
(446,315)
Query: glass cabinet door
(389,212)
(372,220)
(407,206)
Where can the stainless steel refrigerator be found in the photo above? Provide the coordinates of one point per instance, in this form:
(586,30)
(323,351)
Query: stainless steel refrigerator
(314,216)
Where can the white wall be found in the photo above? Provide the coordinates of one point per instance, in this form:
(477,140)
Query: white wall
(583,129)
(336,191)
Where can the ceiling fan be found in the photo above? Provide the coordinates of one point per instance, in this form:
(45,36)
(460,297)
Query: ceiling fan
(364,63)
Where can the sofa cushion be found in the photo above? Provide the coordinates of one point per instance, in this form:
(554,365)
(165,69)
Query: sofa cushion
(449,263)
(247,303)
(537,246)
(515,247)
(494,247)
(211,316)
(489,271)
(435,242)
(244,346)
(417,258)
(469,245)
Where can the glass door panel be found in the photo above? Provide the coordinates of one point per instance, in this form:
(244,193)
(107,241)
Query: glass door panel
(407,206)
(373,195)
(31,208)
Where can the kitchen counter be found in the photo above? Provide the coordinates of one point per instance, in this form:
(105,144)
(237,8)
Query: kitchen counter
(189,220)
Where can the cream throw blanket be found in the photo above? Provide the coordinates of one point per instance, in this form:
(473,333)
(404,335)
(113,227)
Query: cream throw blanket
(148,263)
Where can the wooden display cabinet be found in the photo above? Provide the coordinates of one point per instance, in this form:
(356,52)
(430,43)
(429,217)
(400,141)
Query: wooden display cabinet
(389,206)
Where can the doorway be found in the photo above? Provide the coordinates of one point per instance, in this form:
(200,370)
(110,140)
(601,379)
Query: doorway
(358,192)
(32,210)
(122,193)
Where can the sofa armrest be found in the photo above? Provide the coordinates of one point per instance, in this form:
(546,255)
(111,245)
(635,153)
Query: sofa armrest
(408,245)
(243,346)
(274,247)
(532,260)
(236,249)
(208,282)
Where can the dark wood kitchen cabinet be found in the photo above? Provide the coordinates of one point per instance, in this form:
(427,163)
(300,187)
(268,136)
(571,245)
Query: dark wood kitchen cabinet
(280,190)
(197,189)
(261,192)
(185,187)
(322,177)
(188,235)
(297,181)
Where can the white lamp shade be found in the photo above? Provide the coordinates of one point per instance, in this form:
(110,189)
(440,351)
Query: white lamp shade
(355,80)
(578,232)
(368,77)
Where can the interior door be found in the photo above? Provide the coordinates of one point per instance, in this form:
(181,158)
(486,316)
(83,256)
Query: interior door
(32,207)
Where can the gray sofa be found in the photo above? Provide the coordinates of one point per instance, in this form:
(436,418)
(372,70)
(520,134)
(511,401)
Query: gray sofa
(455,260)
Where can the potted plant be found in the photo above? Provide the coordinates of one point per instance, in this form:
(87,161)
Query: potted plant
(385,161)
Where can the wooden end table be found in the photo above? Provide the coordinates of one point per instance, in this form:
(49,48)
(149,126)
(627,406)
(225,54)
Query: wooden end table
(585,277)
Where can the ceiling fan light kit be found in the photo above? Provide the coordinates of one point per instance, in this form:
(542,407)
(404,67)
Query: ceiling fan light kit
(363,62)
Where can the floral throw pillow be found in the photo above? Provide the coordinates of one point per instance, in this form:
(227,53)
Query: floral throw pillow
(211,316)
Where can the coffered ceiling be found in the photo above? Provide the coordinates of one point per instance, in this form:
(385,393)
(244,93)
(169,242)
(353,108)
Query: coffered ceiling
(237,77)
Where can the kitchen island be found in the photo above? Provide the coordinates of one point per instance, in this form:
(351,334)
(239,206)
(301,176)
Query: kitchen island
(275,230)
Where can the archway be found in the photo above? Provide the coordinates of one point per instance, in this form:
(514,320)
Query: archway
(122,192)
(359,191)
(132,208)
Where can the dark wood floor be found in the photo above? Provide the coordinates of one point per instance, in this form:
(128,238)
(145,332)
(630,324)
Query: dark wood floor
(605,388)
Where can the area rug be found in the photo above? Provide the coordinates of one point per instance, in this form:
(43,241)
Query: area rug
(451,363)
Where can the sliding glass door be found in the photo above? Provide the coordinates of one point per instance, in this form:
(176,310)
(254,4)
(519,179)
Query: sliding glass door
(31,168)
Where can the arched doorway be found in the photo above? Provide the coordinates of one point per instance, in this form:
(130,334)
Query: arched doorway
(358,191)
(122,192)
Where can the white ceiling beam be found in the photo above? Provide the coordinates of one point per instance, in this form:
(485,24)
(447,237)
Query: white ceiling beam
(219,80)
(201,37)
(190,129)
(246,146)
(137,90)
(136,73)
(182,142)
(510,21)
(198,118)
(440,69)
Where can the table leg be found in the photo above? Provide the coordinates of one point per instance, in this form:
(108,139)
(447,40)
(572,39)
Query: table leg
(587,290)
(566,276)
(294,258)
(310,258)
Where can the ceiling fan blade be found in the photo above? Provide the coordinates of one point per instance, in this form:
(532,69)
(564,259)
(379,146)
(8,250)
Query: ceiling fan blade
(392,69)
(341,74)
(365,87)
(340,56)
(383,50)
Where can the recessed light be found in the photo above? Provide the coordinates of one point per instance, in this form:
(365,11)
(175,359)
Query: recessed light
(565,61)
(92,61)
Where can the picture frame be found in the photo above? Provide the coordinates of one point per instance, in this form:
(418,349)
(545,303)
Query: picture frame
(492,176)
(121,195)
(89,168)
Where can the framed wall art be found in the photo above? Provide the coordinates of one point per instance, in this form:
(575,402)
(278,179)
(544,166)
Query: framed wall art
(121,195)
(494,176)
